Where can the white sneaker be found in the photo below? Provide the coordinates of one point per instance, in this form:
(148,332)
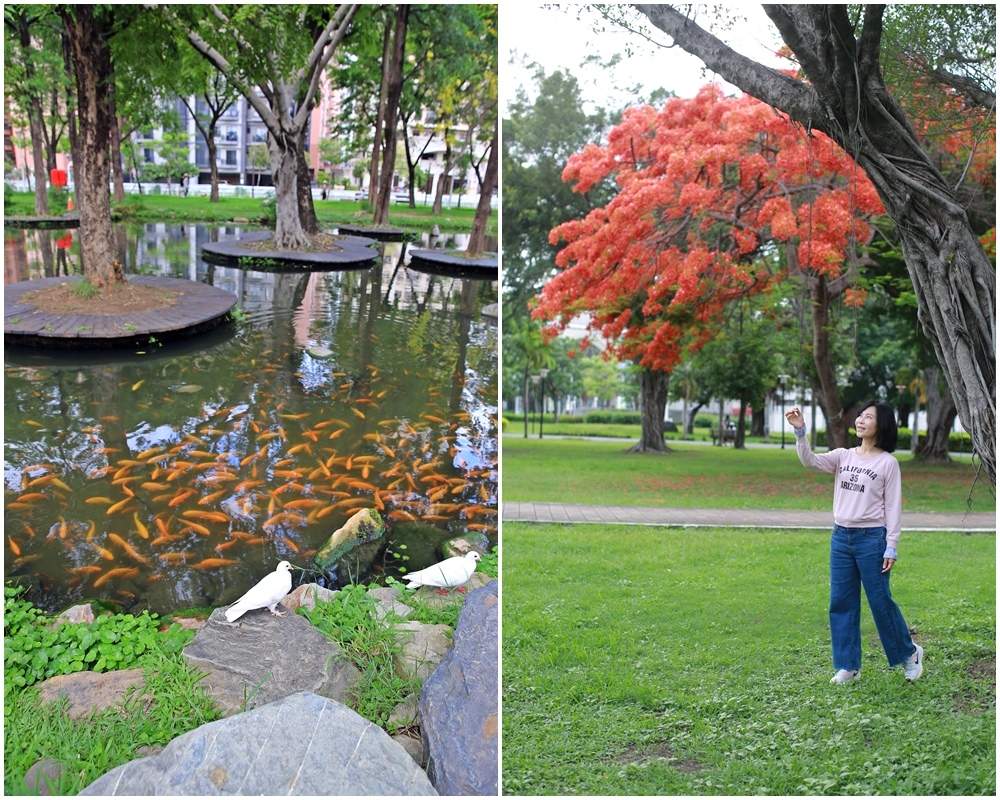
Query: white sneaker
(913,667)
(846,675)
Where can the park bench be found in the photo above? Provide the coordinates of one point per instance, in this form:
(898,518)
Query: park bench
(729,435)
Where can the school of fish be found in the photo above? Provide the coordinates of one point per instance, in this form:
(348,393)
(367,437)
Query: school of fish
(259,474)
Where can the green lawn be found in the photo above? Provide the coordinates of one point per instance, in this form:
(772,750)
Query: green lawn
(692,476)
(162,207)
(662,661)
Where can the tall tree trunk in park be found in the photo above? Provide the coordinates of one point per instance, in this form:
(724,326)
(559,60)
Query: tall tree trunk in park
(941,412)
(836,431)
(373,182)
(846,98)
(653,388)
(307,209)
(288,231)
(439,191)
(394,91)
(118,179)
(92,63)
(35,115)
(477,236)
(74,139)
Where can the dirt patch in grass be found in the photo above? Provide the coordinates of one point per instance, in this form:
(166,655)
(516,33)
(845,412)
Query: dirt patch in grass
(76,297)
(636,755)
(318,243)
(980,672)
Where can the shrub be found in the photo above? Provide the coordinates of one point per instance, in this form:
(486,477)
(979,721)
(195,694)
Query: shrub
(705,421)
(269,206)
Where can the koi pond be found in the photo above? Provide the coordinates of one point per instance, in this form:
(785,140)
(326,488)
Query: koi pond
(177,475)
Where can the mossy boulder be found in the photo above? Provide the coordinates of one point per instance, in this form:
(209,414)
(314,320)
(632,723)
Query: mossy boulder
(350,551)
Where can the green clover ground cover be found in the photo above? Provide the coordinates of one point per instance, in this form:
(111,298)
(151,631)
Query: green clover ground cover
(643,660)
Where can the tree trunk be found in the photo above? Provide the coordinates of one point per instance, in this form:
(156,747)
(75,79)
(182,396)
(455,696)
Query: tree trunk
(836,432)
(213,166)
(394,92)
(653,388)
(35,118)
(846,98)
(941,413)
(477,237)
(116,146)
(373,181)
(288,233)
(307,209)
(439,191)
(92,61)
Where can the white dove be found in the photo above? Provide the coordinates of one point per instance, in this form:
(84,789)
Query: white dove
(449,573)
(269,591)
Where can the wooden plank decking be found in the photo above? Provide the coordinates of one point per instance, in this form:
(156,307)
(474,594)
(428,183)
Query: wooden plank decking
(199,307)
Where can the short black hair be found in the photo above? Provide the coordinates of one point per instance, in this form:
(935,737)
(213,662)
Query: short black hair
(885,418)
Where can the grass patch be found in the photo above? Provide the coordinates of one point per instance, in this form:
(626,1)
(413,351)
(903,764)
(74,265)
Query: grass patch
(173,703)
(695,476)
(656,661)
(194,208)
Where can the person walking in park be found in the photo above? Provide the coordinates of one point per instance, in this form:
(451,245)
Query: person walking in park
(867,510)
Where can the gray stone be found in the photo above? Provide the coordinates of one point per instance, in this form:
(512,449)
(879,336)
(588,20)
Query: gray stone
(404,714)
(43,777)
(91,691)
(459,704)
(435,598)
(474,540)
(351,550)
(302,745)
(412,745)
(423,647)
(306,596)
(82,613)
(262,658)
(387,601)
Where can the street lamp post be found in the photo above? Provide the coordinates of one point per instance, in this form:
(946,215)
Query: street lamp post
(782,379)
(541,419)
(534,382)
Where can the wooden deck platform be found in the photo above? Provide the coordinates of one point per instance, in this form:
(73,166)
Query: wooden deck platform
(199,308)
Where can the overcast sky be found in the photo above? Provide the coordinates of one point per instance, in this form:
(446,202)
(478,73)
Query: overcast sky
(557,39)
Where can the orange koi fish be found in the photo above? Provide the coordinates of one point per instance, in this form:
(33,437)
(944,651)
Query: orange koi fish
(226,545)
(30,497)
(98,501)
(13,546)
(197,528)
(181,497)
(143,530)
(173,558)
(214,563)
(129,550)
(211,516)
(405,516)
(121,572)
(107,555)
(119,505)
(85,570)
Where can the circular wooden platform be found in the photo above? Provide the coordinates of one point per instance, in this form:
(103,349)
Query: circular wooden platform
(379,234)
(199,308)
(43,223)
(355,252)
(455,264)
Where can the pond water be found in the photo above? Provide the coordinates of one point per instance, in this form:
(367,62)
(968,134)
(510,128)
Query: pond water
(177,475)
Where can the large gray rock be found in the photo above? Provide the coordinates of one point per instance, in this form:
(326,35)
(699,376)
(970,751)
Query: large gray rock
(280,655)
(306,596)
(302,745)
(459,703)
(422,647)
(350,551)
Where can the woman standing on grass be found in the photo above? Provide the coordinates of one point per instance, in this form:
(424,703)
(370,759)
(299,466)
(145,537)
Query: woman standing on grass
(867,500)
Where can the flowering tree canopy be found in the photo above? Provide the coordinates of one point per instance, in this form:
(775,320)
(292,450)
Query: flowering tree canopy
(704,186)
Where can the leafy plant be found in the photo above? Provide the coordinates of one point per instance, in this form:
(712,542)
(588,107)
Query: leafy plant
(85,290)
(351,620)
(34,651)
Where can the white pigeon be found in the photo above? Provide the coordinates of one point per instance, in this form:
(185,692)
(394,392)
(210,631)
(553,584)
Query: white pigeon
(448,574)
(269,591)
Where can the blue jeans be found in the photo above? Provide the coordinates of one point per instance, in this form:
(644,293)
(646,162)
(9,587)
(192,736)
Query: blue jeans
(856,561)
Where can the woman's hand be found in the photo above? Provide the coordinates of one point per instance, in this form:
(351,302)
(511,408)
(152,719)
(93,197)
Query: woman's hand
(795,418)
(887,564)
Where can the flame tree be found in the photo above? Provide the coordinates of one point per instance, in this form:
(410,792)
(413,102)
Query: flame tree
(706,187)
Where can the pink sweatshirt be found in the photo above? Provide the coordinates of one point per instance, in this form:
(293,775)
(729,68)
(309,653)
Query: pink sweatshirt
(867,492)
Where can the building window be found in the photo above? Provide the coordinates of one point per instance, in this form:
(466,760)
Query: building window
(230,158)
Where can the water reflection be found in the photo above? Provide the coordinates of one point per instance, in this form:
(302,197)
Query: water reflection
(176,476)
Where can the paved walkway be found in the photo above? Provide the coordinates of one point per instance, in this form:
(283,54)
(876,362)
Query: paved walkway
(729,517)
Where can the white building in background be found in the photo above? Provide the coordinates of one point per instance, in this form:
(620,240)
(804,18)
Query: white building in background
(240,128)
